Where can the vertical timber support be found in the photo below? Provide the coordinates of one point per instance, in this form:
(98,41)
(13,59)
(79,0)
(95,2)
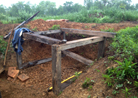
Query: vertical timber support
(56,69)
(19,60)
(101,48)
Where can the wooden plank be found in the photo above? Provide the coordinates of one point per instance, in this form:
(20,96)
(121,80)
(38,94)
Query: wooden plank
(36,62)
(78,57)
(56,69)
(41,39)
(80,42)
(48,32)
(19,60)
(89,32)
(101,49)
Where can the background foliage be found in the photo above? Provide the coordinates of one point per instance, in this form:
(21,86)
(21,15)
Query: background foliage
(98,11)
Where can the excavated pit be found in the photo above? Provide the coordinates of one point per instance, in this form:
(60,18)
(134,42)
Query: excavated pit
(41,75)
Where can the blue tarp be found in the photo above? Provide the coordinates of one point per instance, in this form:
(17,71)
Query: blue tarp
(18,39)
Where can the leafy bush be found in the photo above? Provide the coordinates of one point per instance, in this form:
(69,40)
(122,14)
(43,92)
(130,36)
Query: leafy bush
(117,77)
(125,70)
(125,43)
(2,16)
(3,45)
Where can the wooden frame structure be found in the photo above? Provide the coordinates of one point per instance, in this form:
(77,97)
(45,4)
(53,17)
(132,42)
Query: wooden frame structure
(60,47)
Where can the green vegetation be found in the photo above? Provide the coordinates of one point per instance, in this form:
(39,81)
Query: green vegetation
(115,92)
(136,84)
(55,27)
(3,45)
(108,97)
(126,91)
(118,86)
(97,70)
(90,88)
(77,74)
(125,43)
(120,74)
(108,29)
(28,26)
(111,58)
(89,96)
(108,80)
(88,83)
(34,29)
(134,97)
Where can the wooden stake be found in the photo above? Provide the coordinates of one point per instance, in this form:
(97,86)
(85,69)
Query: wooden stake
(19,60)
(8,47)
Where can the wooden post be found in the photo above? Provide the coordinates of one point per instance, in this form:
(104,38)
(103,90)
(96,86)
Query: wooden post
(101,49)
(56,69)
(19,60)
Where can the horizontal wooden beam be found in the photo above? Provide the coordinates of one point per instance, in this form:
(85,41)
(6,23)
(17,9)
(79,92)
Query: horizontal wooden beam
(89,32)
(48,32)
(78,57)
(80,42)
(36,62)
(42,39)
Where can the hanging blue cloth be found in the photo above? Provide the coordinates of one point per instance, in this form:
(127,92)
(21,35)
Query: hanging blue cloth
(18,39)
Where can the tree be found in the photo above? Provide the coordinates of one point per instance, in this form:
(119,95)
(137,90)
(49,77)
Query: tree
(19,7)
(46,8)
(105,2)
(136,6)
(68,6)
(2,9)
(77,7)
(88,3)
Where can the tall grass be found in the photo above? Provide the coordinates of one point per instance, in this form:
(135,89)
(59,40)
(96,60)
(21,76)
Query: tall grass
(106,15)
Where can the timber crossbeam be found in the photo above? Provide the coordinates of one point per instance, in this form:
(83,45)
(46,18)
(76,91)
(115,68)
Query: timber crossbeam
(80,42)
(48,32)
(89,32)
(42,39)
(77,57)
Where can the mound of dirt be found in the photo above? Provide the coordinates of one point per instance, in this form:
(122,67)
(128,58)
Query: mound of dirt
(42,25)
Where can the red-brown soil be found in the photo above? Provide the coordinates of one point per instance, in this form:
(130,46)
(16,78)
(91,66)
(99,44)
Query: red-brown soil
(41,75)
